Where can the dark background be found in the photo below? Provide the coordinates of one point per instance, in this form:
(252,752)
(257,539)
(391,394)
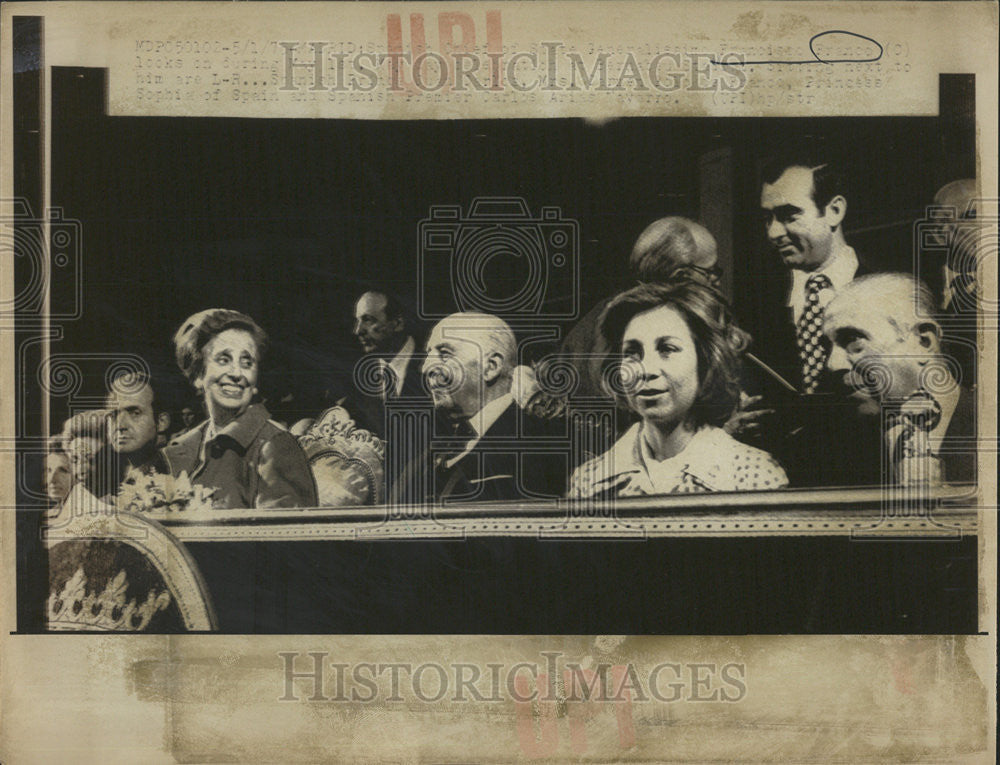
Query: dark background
(290,220)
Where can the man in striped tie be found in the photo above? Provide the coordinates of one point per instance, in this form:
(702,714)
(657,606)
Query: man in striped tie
(803,205)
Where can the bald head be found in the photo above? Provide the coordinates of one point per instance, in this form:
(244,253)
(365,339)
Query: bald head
(882,335)
(669,243)
(470,359)
(900,299)
(960,195)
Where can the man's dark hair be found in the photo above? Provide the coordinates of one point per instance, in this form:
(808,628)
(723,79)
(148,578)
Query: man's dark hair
(164,389)
(828,181)
(393,308)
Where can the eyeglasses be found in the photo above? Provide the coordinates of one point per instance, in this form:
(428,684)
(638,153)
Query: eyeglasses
(711,276)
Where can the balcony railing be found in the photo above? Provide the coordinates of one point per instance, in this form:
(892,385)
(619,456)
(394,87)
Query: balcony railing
(882,512)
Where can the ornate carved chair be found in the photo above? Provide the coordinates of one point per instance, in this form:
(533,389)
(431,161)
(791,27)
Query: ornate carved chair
(112,571)
(348,462)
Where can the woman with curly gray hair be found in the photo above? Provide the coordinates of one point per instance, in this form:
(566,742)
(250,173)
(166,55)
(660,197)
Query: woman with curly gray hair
(250,461)
(677,358)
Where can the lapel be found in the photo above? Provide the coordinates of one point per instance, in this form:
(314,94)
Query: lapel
(481,467)
(181,454)
(960,464)
(413,380)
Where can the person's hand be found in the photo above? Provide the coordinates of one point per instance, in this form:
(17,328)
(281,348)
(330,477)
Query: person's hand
(746,420)
(531,398)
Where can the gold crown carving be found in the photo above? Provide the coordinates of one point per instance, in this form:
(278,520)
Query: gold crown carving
(106,611)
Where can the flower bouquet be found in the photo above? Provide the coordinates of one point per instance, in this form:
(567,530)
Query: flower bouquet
(155,492)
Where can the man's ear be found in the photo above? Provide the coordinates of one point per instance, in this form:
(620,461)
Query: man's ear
(835,211)
(399,324)
(163,422)
(929,336)
(492,366)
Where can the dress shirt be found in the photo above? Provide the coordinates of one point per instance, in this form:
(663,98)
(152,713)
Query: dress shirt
(839,269)
(399,364)
(482,422)
(712,461)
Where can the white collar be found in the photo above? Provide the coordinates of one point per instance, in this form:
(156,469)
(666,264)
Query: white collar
(700,458)
(481,423)
(400,362)
(483,420)
(839,269)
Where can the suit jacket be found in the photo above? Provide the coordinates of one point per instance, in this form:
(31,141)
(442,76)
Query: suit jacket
(504,465)
(774,338)
(820,439)
(958,452)
(369,410)
(519,457)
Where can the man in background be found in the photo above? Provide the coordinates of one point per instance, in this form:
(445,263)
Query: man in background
(138,417)
(663,246)
(803,204)
(381,328)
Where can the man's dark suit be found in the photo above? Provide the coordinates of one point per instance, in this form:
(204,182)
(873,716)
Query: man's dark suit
(958,452)
(368,410)
(819,438)
(774,339)
(519,457)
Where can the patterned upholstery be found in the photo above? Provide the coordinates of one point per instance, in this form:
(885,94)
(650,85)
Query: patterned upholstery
(119,572)
(348,462)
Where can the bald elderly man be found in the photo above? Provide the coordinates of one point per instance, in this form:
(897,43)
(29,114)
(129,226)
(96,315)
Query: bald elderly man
(952,271)
(664,245)
(886,348)
(486,452)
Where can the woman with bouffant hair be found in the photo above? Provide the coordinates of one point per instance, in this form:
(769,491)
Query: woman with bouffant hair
(250,461)
(676,354)
(84,440)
